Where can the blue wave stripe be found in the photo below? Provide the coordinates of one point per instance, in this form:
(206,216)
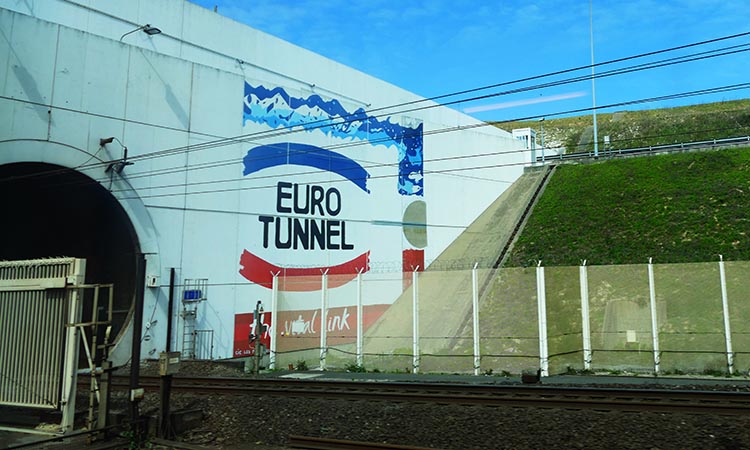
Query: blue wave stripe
(276,108)
(280,154)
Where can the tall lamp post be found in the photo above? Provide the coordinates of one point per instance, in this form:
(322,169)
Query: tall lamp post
(593,83)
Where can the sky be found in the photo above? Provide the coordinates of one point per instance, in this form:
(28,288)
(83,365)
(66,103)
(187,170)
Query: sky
(439,47)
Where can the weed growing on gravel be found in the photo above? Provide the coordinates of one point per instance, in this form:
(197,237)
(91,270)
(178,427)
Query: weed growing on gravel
(713,372)
(354,367)
(133,443)
(573,371)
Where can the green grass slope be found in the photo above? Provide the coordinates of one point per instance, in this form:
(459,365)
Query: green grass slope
(633,129)
(687,207)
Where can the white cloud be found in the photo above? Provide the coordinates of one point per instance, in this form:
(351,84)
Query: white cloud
(524,102)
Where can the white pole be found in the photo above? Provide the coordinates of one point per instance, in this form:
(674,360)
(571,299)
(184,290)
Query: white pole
(593,82)
(542,121)
(415,323)
(654,324)
(70,367)
(542,311)
(725,304)
(70,364)
(274,319)
(323,319)
(475,314)
(360,313)
(585,320)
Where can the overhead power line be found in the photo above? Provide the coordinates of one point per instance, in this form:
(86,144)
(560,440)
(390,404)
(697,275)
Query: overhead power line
(287,130)
(283,131)
(431,132)
(446,130)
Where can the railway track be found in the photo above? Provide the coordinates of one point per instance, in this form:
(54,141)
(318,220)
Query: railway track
(317,443)
(603,399)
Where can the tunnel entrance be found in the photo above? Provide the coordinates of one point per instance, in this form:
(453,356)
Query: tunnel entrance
(51,211)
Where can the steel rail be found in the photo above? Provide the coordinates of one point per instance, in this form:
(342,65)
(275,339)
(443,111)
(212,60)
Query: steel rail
(484,389)
(654,400)
(316,443)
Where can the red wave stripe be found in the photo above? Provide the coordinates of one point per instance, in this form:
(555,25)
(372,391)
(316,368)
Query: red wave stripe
(260,271)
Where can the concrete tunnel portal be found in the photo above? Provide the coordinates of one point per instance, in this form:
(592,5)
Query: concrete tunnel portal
(52,211)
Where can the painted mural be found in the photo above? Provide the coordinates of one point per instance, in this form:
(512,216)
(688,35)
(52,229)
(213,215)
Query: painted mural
(307,216)
(319,209)
(276,108)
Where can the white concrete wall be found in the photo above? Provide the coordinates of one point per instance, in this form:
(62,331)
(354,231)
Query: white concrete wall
(66,80)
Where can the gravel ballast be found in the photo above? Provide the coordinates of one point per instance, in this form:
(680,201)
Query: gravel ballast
(247,422)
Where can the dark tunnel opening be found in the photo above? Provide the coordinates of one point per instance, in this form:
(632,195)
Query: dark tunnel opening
(52,211)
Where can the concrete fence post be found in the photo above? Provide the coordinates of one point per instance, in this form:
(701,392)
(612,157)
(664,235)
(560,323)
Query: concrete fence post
(323,319)
(725,305)
(542,313)
(585,320)
(360,314)
(415,321)
(475,317)
(274,320)
(654,321)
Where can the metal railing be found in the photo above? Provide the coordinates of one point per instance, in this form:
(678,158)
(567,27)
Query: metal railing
(642,150)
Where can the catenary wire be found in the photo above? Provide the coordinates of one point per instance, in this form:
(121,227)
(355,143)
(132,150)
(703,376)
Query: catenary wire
(370,142)
(452,129)
(325,123)
(445,171)
(670,61)
(241,138)
(298,128)
(649,65)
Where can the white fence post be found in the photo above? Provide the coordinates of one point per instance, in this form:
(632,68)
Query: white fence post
(70,362)
(654,322)
(725,305)
(323,319)
(274,320)
(475,317)
(360,314)
(542,311)
(415,323)
(585,321)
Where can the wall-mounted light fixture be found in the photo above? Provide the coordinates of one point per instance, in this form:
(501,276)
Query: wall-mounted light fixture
(148,29)
(116,166)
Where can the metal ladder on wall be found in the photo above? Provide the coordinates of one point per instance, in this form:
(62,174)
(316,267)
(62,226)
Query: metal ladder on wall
(194,291)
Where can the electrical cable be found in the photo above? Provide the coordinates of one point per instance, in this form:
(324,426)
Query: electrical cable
(671,61)
(640,101)
(324,123)
(446,171)
(297,128)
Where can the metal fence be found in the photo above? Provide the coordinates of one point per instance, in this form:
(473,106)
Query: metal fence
(38,344)
(654,318)
(558,153)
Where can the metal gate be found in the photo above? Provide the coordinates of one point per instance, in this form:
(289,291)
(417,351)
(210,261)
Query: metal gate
(39,305)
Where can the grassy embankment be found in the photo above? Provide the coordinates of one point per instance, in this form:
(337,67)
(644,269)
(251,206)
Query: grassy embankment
(632,129)
(687,207)
(676,208)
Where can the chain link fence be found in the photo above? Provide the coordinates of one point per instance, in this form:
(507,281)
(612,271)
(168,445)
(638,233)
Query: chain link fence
(647,318)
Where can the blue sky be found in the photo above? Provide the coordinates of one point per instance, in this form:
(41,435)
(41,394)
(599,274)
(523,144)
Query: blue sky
(440,46)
